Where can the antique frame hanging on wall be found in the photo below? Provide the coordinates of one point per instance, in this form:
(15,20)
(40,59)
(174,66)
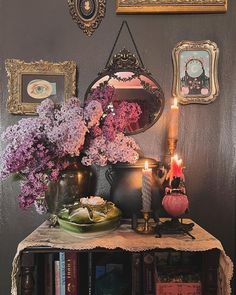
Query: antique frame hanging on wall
(30,83)
(132,82)
(195,72)
(87,14)
(171,6)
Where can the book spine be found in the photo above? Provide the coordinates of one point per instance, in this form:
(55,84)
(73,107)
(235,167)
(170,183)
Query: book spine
(57,277)
(71,273)
(148,274)
(62,273)
(48,274)
(90,272)
(136,274)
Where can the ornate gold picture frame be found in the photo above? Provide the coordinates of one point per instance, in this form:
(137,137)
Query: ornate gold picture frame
(88,14)
(30,83)
(170,6)
(195,71)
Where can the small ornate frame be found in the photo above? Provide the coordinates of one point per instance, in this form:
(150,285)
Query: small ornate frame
(170,6)
(87,14)
(195,72)
(18,69)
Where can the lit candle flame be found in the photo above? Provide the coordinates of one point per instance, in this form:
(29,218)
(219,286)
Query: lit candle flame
(175,103)
(177,160)
(146,165)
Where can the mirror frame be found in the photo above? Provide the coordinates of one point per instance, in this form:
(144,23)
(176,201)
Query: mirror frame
(125,61)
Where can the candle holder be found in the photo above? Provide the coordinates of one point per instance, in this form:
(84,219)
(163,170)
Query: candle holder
(172,144)
(146,228)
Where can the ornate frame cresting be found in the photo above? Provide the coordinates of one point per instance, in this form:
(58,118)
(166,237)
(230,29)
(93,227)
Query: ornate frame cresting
(213,51)
(170,6)
(88,23)
(16,68)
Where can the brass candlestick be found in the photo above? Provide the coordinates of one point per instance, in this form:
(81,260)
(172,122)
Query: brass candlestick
(146,227)
(172,144)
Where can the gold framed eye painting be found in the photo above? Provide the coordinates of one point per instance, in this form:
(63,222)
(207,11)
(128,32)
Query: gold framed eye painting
(195,72)
(30,83)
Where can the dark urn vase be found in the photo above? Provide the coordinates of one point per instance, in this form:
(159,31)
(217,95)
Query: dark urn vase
(126,186)
(75,181)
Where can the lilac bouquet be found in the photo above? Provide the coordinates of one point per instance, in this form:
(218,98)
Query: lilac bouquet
(38,148)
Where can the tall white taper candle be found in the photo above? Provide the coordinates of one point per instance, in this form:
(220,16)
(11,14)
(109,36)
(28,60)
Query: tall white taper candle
(147,188)
(174,120)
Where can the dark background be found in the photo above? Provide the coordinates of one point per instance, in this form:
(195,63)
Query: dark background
(34,30)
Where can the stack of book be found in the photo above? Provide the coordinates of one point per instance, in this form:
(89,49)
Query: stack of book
(60,274)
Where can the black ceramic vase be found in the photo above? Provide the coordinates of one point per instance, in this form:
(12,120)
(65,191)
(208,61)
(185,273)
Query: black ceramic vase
(126,186)
(75,181)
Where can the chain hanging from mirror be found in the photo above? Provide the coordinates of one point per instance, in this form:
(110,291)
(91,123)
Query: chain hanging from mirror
(88,14)
(132,82)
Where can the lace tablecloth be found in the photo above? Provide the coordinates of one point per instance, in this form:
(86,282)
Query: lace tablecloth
(127,239)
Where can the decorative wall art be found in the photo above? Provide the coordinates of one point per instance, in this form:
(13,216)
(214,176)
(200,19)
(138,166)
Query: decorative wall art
(195,71)
(87,14)
(30,83)
(171,6)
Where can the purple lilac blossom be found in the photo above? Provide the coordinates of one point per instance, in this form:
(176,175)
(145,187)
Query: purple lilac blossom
(101,151)
(104,93)
(92,113)
(38,147)
(68,129)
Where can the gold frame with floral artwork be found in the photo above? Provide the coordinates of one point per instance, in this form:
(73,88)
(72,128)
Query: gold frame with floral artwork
(20,74)
(195,71)
(170,6)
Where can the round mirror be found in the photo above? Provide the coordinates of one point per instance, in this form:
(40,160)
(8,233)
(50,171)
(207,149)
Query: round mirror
(132,83)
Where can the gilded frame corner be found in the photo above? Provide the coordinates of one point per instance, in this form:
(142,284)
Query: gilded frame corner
(87,23)
(17,68)
(210,48)
(170,6)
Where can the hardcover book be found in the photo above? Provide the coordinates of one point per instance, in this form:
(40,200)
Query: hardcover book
(148,274)
(57,277)
(178,288)
(49,274)
(62,273)
(71,273)
(136,274)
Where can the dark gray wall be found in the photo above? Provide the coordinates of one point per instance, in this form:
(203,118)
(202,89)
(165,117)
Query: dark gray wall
(33,30)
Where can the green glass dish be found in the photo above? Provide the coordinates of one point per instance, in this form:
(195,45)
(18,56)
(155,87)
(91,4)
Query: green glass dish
(89,220)
(86,230)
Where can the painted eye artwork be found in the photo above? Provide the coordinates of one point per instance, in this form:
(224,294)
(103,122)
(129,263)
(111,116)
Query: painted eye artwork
(41,89)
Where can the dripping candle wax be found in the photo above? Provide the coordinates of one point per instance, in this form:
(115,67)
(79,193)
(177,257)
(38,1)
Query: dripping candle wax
(176,168)
(146,187)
